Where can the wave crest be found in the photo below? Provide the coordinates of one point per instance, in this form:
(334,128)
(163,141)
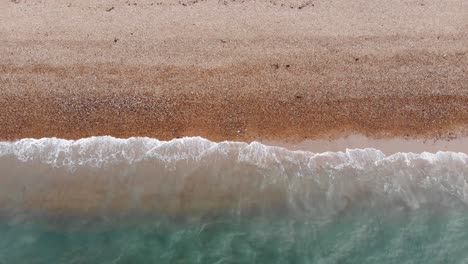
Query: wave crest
(197,174)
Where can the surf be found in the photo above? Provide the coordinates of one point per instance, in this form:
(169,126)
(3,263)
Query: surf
(191,200)
(197,176)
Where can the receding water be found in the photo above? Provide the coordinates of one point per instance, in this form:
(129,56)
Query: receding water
(140,200)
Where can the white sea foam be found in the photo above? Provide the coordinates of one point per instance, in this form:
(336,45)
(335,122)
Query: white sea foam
(244,173)
(105,150)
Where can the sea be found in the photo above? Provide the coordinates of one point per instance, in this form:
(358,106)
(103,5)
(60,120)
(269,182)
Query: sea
(191,200)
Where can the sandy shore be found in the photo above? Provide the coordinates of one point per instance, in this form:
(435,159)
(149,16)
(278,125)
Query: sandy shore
(227,70)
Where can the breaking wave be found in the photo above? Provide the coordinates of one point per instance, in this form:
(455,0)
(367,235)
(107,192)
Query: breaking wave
(197,175)
(190,200)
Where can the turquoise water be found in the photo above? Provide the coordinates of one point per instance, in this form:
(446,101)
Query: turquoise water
(422,236)
(140,200)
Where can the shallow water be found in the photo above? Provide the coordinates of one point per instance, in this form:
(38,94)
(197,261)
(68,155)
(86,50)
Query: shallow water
(140,200)
(412,237)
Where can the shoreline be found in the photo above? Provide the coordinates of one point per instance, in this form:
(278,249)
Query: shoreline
(388,146)
(143,176)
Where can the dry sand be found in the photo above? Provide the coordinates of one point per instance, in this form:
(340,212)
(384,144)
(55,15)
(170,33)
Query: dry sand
(234,70)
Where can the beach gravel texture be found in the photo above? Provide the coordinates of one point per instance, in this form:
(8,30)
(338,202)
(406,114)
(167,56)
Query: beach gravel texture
(233,70)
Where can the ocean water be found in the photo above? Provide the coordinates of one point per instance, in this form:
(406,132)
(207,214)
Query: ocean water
(190,200)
